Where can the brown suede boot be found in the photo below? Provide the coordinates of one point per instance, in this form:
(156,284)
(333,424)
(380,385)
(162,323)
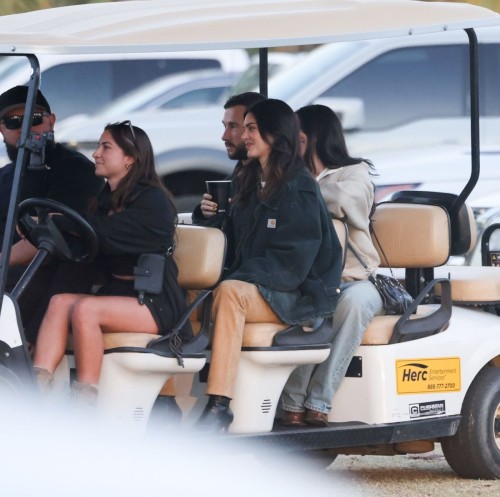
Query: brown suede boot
(84,396)
(293,418)
(316,418)
(45,380)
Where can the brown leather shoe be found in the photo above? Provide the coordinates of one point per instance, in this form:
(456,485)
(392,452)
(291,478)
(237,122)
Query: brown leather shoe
(316,418)
(293,419)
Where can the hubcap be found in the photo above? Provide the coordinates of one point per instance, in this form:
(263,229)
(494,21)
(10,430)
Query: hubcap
(496,427)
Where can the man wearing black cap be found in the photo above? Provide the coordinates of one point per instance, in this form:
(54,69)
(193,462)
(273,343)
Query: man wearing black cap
(69,178)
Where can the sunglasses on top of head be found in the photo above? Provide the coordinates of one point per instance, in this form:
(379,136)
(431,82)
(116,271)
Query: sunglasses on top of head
(15,122)
(125,123)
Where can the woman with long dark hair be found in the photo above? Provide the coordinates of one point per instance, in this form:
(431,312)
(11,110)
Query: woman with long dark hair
(133,215)
(286,257)
(348,192)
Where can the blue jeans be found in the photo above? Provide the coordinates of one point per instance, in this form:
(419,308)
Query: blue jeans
(313,386)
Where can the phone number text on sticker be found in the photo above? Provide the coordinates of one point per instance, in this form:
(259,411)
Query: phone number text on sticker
(428,375)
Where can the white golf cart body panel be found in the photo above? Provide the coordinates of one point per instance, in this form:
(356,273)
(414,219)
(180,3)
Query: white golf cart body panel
(473,336)
(9,324)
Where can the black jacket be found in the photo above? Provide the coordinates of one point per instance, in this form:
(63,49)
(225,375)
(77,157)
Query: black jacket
(69,179)
(287,246)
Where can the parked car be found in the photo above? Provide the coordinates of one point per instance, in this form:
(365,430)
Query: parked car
(395,96)
(444,168)
(187,89)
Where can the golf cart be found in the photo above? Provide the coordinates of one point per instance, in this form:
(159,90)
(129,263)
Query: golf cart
(432,374)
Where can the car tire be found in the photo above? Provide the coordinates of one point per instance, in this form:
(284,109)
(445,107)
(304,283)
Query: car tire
(474,451)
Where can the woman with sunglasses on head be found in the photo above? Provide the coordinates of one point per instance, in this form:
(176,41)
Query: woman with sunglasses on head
(348,192)
(287,258)
(133,215)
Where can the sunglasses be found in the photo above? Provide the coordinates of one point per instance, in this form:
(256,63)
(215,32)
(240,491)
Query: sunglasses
(125,123)
(15,122)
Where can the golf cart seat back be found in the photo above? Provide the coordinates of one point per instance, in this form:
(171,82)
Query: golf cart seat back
(462,225)
(199,254)
(411,236)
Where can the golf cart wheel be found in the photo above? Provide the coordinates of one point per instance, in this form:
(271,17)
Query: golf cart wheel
(474,451)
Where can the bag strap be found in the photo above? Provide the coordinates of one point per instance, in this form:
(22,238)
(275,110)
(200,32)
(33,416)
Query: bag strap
(381,248)
(361,261)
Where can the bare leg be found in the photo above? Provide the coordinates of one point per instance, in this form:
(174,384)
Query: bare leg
(54,330)
(93,316)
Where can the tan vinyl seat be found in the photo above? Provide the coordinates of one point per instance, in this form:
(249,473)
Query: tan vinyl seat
(380,330)
(472,285)
(116,340)
(412,235)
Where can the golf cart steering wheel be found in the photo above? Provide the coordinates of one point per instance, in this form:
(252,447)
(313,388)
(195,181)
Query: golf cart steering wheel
(43,232)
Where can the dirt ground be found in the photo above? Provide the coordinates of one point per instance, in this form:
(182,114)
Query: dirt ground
(407,476)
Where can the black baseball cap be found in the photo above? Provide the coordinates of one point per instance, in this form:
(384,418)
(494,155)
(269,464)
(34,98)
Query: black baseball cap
(16,97)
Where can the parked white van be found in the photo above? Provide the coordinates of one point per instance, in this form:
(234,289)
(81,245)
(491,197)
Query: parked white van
(394,95)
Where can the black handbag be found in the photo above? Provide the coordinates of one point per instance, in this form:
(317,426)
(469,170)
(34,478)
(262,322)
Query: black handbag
(395,298)
(149,274)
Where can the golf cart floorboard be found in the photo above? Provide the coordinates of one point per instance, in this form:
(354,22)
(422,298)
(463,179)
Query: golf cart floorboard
(352,434)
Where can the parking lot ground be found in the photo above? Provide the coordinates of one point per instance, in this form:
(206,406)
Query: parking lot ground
(419,475)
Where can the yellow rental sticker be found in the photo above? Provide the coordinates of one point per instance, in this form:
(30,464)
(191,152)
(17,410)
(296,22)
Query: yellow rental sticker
(428,375)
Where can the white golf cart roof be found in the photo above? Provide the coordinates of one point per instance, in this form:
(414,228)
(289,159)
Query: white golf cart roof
(172,25)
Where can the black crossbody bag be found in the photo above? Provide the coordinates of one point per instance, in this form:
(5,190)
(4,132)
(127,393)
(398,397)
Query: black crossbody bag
(149,274)
(395,298)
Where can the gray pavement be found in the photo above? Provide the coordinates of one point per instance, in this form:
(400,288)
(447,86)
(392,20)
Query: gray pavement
(407,476)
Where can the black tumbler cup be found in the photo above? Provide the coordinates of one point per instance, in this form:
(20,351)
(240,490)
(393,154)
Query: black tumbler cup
(220,191)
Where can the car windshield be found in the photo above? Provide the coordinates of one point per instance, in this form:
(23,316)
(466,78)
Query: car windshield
(137,98)
(285,84)
(249,80)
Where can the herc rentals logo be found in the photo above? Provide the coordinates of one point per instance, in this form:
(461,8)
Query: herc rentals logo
(428,375)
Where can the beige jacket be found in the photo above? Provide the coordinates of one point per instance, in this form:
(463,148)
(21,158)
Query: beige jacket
(348,194)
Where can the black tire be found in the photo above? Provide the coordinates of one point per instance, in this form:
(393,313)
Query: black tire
(474,452)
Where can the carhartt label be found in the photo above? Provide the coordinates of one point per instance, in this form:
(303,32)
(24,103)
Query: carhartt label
(271,223)
(428,375)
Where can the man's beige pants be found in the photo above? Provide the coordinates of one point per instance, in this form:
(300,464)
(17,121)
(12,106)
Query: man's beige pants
(235,303)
